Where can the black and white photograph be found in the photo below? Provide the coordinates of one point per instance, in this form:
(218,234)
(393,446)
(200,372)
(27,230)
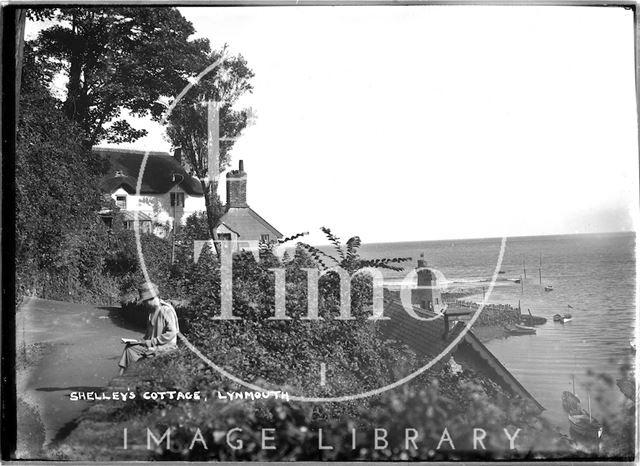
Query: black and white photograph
(307,231)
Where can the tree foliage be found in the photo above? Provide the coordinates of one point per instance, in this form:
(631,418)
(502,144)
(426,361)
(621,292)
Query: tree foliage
(60,241)
(119,58)
(114,59)
(348,256)
(287,351)
(188,121)
(133,59)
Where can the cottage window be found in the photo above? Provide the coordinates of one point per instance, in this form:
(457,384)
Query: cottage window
(177,199)
(145,225)
(224,236)
(264,238)
(121,202)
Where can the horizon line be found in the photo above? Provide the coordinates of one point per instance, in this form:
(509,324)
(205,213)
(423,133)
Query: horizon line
(618,232)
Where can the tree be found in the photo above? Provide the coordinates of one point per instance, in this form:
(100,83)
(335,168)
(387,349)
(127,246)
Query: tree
(132,58)
(20,19)
(195,227)
(189,121)
(59,239)
(119,58)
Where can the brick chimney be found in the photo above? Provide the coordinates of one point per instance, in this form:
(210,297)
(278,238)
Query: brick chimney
(177,154)
(237,187)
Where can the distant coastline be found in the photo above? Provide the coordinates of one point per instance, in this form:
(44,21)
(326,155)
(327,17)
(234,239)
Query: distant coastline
(498,238)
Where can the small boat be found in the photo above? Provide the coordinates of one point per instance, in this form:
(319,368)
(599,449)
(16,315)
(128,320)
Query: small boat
(585,425)
(501,272)
(562,318)
(632,344)
(548,288)
(571,403)
(581,423)
(531,320)
(525,328)
(514,280)
(518,329)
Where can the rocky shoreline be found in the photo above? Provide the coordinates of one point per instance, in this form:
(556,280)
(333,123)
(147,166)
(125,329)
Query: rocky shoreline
(490,323)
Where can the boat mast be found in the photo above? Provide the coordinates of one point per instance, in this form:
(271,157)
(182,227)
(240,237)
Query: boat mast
(573,379)
(589,401)
(540,269)
(524,268)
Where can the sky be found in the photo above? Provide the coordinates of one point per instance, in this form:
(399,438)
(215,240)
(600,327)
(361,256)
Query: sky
(400,123)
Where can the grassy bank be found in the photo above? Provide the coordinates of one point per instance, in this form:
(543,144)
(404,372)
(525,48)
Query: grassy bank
(440,399)
(284,355)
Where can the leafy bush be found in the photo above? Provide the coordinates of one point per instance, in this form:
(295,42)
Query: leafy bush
(284,355)
(284,351)
(60,243)
(428,404)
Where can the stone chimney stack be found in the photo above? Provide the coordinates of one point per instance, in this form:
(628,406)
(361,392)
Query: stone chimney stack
(177,154)
(237,187)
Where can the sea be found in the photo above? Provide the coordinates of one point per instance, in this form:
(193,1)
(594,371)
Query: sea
(593,278)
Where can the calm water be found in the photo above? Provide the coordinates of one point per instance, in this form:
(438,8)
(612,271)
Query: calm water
(595,274)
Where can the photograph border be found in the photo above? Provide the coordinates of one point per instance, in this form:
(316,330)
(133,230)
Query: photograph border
(10,110)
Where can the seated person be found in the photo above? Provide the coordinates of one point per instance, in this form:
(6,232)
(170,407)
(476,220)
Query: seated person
(162,328)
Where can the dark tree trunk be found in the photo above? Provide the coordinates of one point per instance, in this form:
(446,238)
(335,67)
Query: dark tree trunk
(73,105)
(20,17)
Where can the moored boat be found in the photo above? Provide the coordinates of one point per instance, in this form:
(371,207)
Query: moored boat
(585,425)
(571,403)
(518,329)
(557,318)
(567,318)
(548,288)
(581,423)
(524,327)
(531,320)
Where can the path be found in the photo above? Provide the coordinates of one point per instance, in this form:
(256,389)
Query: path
(83,348)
